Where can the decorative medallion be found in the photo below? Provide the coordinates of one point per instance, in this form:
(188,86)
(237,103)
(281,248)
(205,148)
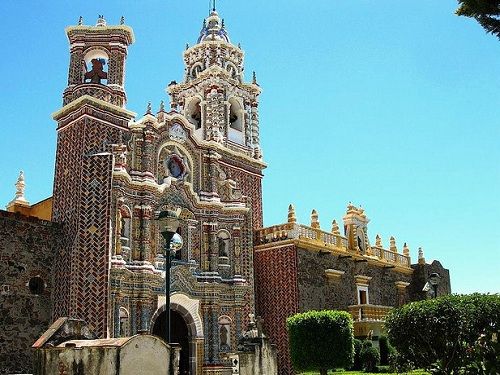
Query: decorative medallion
(175,166)
(177,132)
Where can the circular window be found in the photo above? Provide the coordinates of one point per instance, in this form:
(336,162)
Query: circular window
(36,285)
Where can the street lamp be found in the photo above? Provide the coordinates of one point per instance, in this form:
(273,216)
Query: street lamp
(434,280)
(169,223)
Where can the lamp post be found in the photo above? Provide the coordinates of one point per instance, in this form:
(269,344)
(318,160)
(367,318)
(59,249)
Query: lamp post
(169,223)
(434,280)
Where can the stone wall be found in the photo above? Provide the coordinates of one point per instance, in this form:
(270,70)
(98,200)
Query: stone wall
(259,357)
(317,292)
(420,277)
(27,247)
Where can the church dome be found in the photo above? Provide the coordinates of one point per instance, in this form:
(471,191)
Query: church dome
(213,29)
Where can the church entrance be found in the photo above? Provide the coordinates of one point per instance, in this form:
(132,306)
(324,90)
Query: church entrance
(179,334)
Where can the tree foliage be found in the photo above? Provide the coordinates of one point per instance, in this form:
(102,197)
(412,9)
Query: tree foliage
(370,357)
(385,350)
(448,334)
(357,364)
(486,12)
(321,340)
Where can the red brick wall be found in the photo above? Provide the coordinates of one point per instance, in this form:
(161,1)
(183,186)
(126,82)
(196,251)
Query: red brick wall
(277,296)
(82,202)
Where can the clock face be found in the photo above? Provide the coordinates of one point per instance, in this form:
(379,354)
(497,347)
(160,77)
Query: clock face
(176,166)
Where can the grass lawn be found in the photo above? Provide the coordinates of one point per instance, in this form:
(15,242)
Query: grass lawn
(417,372)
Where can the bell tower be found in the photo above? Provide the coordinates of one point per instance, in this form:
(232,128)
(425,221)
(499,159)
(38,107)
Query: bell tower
(93,119)
(222,109)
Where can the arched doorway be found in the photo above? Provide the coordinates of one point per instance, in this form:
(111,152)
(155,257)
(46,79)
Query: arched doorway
(188,312)
(179,334)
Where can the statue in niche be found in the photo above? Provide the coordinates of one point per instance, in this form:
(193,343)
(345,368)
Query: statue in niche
(223,247)
(97,73)
(224,340)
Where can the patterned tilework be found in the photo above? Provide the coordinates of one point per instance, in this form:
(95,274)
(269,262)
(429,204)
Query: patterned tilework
(90,257)
(82,201)
(277,296)
(250,186)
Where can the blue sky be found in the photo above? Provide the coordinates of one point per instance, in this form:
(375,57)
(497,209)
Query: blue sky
(390,104)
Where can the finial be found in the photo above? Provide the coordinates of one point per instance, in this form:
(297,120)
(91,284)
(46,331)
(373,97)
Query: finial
(19,199)
(314,219)
(392,245)
(214,5)
(162,106)
(421,257)
(148,110)
(122,20)
(187,45)
(80,21)
(254,78)
(406,250)
(222,24)
(335,227)
(101,21)
(291,214)
(378,241)
(239,45)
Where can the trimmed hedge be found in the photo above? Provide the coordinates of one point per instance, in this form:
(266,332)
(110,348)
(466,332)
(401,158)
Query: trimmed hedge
(321,340)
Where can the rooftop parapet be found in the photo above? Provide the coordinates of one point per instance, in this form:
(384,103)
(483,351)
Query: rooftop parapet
(315,239)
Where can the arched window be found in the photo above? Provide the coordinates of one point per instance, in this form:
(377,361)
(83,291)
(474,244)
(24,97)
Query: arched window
(236,122)
(196,70)
(232,70)
(124,322)
(96,61)
(193,112)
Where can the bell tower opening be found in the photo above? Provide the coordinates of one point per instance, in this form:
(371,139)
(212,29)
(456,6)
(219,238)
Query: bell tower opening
(179,334)
(236,123)
(96,61)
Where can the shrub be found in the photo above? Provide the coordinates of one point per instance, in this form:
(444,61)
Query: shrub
(441,334)
(370,358)
(321,340)
(385,349)
(358,346)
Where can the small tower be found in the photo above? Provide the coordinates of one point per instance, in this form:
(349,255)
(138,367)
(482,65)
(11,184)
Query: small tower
(335,227)
(421,257)
(291,214)
(93,118)
(392,244)
(214,97)
(19,199)
(356,230)
(315,220)
(222,109)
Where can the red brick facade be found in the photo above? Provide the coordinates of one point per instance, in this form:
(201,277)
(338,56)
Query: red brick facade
(277,296)
(82,202)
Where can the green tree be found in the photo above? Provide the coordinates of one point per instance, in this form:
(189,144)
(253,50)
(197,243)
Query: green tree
(486,12)
(321,340)
(370,357)
(442,334)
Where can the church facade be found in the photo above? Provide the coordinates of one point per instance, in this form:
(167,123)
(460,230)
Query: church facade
(99,237)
